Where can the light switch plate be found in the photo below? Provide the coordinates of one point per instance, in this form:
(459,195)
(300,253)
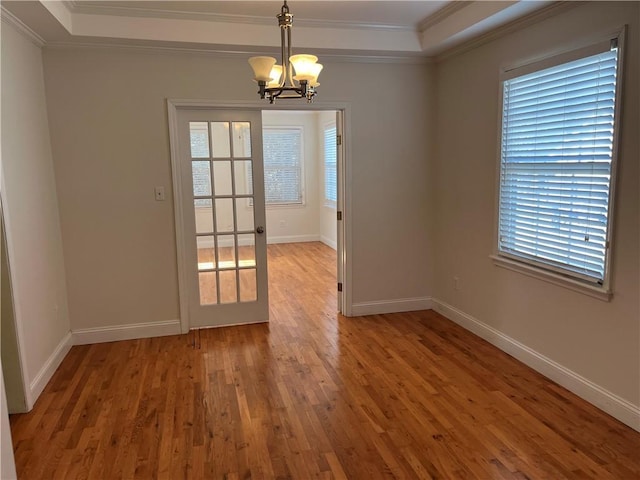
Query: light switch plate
(159,192)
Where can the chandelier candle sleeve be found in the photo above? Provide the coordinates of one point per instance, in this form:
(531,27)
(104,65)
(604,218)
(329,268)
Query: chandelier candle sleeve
(277,80)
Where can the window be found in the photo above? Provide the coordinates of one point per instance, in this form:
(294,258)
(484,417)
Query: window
(282,148)
(200,149)
(556,167)
(330,166)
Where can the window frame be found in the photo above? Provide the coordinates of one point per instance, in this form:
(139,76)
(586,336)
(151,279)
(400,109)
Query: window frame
(540,270)
(327,202)
(302,202)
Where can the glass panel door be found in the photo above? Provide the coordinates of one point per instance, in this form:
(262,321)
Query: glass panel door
(224,218)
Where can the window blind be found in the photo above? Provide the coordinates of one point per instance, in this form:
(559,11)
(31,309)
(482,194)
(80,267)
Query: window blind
(282,149)
(556,165)
(330,165)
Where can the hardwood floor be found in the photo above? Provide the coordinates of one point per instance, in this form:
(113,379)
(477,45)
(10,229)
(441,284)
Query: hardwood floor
(314,395)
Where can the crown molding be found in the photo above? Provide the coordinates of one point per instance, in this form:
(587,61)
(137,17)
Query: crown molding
(442,14)
(518,24)
(10,19)
(120,11)
(244,54)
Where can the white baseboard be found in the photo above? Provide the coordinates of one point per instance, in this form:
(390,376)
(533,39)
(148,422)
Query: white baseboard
(293,238)
(49,368)
(329,242)
(88,336)
(617,407)
(391,306)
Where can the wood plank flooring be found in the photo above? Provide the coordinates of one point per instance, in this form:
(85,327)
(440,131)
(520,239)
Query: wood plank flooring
(314,395)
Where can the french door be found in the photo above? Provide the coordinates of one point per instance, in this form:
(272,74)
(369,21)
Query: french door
(222,197)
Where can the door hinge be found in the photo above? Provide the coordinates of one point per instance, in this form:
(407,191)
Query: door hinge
(338,139)
(339,215)
(339,286)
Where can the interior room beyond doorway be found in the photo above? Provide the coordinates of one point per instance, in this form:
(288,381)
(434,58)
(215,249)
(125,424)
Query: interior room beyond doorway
(300,176)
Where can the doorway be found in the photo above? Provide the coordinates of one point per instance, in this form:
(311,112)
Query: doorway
(300,165)
(187,235)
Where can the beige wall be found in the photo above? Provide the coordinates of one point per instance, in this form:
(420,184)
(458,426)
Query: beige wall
(107,111)
(597,340)
(30,207)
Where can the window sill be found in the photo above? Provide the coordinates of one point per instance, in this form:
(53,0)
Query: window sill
(277,206)
(596,292)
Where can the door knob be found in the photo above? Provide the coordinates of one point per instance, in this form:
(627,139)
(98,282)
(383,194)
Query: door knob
(260,229)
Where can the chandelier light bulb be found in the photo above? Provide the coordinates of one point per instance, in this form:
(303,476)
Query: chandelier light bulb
(276,75)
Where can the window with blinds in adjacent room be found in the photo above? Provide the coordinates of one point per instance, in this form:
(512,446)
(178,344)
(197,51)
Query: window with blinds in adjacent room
(282,152)
(330,166)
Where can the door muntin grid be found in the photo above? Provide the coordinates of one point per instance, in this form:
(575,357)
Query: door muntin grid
(223,208)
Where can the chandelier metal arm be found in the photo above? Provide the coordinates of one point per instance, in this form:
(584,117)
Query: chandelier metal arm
(279,92)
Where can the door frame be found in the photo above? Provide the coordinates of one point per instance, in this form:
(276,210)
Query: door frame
(344,262)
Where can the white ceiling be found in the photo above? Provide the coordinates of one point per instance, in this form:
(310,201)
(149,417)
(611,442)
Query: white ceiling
(365,28)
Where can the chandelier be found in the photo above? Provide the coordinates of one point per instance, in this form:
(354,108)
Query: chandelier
(278,81)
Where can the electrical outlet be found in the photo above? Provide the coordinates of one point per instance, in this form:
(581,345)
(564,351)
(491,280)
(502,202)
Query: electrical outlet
(456,283)
(283,223)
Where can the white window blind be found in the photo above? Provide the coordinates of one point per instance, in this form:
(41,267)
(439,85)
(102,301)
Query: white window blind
(282,149)
(556,166)
(330,166)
